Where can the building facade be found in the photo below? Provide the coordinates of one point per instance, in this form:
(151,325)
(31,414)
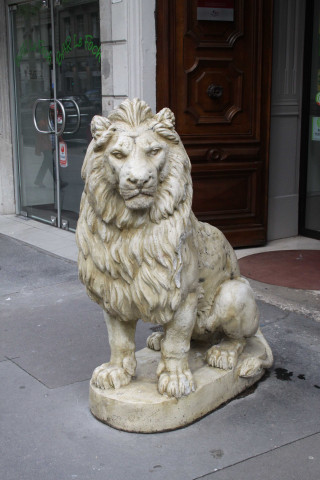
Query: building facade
(64,61)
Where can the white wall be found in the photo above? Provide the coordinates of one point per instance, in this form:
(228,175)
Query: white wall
(286,101)
(128,41)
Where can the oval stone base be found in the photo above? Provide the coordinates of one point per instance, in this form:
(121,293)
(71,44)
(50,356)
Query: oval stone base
(138,407)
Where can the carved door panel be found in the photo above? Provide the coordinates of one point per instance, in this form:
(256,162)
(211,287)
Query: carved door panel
(216,77)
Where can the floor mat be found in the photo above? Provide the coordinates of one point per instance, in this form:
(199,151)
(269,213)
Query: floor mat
(287,268)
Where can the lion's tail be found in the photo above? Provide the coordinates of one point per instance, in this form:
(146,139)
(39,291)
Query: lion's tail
(252,366)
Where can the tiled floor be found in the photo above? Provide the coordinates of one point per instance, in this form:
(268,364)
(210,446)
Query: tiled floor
(62,243)
(297,269)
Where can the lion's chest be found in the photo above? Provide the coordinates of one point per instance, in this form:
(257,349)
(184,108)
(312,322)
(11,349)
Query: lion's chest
(131,282)
(142,298)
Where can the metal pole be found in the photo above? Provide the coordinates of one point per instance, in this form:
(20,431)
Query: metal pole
(14,115)
(56,139)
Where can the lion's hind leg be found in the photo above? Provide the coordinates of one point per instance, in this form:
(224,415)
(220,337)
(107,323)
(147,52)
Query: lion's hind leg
(238,317)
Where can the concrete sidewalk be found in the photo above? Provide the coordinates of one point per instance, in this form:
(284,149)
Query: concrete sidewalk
(53,336)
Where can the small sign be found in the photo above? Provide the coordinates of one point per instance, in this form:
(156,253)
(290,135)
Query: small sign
(316,129)
(59,115)
(63,155)
(215,10)
(318,98)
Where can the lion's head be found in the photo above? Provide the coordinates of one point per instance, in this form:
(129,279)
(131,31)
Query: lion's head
(139,162)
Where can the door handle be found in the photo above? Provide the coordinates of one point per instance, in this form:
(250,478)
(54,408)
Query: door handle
(34,113)
(77,115)
(51,130)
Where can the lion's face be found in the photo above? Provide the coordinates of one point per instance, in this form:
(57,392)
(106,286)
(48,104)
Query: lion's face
(138,161)
(136,170)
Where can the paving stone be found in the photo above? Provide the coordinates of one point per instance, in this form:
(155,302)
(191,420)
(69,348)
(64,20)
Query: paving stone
(300,459)
(25,268)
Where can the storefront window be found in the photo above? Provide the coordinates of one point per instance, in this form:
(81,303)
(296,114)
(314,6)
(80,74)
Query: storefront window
(57,82)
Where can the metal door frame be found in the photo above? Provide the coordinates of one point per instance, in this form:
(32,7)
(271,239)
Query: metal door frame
(13,112)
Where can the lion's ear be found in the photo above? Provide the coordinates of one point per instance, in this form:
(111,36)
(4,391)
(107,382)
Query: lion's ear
(166,117)
(99,125)
(164,125)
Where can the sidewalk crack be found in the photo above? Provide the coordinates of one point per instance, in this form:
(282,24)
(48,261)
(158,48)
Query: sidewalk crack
(256,456)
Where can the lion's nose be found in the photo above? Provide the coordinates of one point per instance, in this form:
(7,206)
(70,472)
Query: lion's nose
(139,181)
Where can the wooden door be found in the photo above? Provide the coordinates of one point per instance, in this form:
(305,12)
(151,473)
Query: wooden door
(216,78)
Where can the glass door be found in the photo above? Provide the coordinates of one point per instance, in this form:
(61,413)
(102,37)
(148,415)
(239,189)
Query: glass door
(57,80)
(33,78)
(310,145)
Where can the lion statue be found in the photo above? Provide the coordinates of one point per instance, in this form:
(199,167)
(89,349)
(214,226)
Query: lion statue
(144,255)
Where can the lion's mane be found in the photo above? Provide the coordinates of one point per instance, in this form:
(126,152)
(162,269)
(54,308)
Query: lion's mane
(130,261)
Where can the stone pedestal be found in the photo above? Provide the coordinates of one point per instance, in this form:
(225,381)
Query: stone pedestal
(138,407)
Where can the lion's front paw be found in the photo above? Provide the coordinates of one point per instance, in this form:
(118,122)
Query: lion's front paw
(110,376)
(177,384)
(154,341)
(225,355)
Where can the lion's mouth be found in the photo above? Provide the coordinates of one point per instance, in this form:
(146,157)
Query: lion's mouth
(138,199)
(130,194)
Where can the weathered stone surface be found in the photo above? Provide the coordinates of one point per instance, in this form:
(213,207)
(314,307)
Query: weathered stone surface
(138,407)
(143,255)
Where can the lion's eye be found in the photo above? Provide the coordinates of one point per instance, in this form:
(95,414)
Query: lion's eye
(118,154)
(154,151)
